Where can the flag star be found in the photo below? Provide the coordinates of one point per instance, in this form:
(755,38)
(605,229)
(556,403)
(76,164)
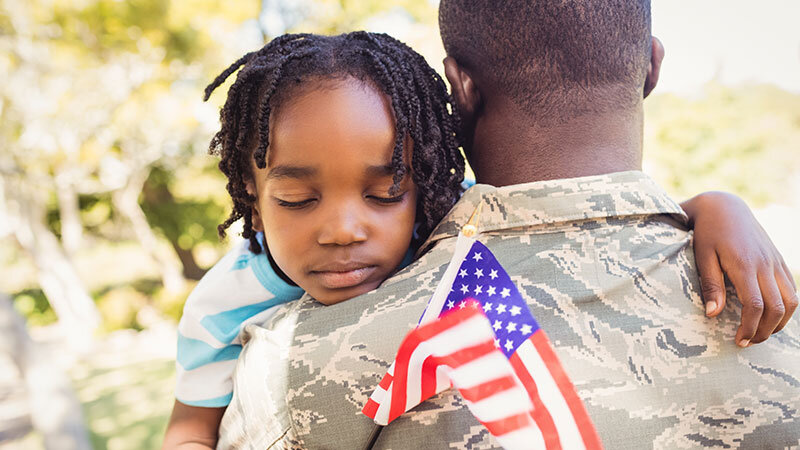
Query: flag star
(501,308)
(463,273)
(478,273)
(512,326)
(515,310)
(509,345)
(497,325)
(497,343)
(477,256)
(493,274)
(487,307)
(462,305)
(475,304)
(491,291)
(478,289)
(505,292)
(464,288)
(450,304)
(526,329)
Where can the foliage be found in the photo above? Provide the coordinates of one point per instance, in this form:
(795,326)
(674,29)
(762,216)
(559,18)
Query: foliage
(32,304)
(742,140)
(339,16)
(186,221)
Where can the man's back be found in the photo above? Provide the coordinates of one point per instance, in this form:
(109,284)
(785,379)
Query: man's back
(606,266)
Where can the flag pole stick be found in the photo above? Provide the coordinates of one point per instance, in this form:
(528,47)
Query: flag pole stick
(470,229)
(373,437)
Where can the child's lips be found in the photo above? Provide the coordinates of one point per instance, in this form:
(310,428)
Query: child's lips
(343,277)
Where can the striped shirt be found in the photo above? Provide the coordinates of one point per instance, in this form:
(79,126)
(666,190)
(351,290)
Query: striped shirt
(241,288)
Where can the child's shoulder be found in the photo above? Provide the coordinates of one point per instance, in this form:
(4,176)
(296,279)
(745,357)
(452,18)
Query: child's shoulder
(239,279)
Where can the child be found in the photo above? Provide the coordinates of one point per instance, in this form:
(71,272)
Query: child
(363,155)
(341,153)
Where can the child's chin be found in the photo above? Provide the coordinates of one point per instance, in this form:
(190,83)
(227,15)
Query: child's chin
(332,297)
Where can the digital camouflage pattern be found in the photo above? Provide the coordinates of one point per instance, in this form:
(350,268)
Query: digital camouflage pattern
(606,266)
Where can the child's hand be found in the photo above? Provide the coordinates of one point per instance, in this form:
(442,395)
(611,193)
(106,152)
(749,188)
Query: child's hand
(729,239)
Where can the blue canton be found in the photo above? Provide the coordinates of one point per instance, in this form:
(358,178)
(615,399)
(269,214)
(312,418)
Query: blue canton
(482,282)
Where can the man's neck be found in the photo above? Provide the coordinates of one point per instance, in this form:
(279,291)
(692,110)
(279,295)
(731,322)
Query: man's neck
(516,151)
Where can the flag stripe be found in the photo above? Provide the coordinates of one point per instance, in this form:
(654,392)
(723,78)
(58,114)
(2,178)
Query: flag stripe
(442,379)
(481,370)
(429,376)
(488,388)
(469,354)
(540,414)
(551,394)
(458,340)
(385,382)
(370,408)
(577,409)
(500,405)
(527,438)
(508,424)
(445,333)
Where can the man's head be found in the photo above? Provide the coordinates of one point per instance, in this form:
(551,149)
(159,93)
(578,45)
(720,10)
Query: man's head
(553,60)
(553,57)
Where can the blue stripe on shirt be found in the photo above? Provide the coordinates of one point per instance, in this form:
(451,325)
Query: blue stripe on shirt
(217,402)
(225,326)
(265,273)
(194,353)
(242,262)
(271,281)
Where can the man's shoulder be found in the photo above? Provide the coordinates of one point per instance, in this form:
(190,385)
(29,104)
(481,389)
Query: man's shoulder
(557,202)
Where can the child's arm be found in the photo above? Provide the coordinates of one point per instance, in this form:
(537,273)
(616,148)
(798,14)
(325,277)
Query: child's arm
(192,427)
(728,239)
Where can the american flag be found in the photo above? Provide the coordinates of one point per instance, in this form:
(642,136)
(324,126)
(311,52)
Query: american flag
(475,279)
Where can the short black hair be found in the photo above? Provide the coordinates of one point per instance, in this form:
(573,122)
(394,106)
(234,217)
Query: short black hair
(553,57)
(422,107)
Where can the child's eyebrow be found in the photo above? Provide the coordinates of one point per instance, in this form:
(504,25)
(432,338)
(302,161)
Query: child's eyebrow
(379,171)
(291,172)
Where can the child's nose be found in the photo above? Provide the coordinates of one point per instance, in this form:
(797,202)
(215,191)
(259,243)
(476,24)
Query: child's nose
(343,226)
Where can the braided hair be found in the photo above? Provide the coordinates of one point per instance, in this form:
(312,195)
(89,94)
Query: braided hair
(423,111)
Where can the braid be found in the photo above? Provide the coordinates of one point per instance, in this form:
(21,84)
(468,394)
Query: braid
(423,112)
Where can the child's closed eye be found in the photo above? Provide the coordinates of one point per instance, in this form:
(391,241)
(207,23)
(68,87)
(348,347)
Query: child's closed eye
(295,205)
(388,200)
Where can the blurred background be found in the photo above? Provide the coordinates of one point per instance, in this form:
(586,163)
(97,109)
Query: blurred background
(109,202)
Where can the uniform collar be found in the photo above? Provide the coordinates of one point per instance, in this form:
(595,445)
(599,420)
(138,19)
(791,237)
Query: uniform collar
(555,201)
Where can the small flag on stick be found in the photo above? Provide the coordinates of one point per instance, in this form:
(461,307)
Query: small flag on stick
(475,282)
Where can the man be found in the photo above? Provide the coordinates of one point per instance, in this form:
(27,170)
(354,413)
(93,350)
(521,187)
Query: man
(551,97)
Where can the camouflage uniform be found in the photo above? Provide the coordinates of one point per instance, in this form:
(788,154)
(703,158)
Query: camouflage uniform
(606,265)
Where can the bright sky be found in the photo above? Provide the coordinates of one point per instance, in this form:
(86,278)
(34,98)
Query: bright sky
(734,41)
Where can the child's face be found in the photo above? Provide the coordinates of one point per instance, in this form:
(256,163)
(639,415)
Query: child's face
(323,200)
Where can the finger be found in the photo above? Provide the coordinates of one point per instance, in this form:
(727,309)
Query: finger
(788,274)
(773,306)
(788,294)
(712,281)
(752,306)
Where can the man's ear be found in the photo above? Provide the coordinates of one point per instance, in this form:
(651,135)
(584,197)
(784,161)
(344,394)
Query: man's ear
(255,218)
(465,92)
(656,56)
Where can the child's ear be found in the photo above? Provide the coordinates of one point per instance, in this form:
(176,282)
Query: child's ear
(255,217)
(654,69)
